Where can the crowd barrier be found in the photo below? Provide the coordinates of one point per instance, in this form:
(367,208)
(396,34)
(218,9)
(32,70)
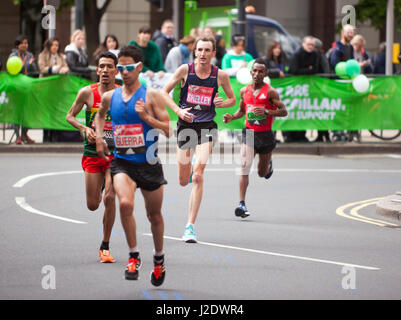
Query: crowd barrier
(313,102)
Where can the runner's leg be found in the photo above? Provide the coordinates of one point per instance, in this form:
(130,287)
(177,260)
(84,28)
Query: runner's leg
(184,157)
(93,188)
(247,156)
(153,205)
(125,189)
(110,207)
(202,155)
(264,164)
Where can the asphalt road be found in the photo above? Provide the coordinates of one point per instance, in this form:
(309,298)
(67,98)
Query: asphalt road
(313,233)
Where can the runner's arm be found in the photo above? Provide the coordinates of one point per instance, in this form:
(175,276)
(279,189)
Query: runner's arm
(179,75)
(237,114)
(224,82)
(281,110)
(161,120)
(100,119)
(81,99)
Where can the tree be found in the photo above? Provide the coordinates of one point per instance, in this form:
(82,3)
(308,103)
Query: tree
(92,17)
(375,11)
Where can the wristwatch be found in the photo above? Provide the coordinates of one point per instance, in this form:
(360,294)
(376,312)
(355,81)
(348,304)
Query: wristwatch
(266,112)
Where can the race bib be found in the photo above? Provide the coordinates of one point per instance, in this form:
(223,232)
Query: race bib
(107,130)
(254,119)
(199,98)
(129,138)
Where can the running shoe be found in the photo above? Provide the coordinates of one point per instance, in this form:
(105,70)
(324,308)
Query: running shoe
(270,173)
(19,141)
(159,271)
(105,256)
(190,177)
(242,211)
(189,234)
(133,265)
(27,139)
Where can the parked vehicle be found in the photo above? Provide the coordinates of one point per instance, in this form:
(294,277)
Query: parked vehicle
(261,31)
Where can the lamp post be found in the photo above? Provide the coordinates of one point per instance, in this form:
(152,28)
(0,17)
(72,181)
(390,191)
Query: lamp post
(389,37)
(79,14)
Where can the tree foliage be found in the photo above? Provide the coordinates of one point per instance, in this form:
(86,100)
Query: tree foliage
(92,16)
(375,11)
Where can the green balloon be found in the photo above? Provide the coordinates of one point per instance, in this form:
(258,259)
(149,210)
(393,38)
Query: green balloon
(340,69)
(250,64)
(352,68)
(14,65)
(142,80)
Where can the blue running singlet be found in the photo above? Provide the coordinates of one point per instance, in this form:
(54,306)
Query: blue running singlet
(134,139)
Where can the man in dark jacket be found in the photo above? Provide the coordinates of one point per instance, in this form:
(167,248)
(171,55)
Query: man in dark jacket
(343,50)
(164,38)
(305,60)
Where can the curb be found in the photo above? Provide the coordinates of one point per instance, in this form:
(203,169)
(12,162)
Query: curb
(389,208)
(287,148)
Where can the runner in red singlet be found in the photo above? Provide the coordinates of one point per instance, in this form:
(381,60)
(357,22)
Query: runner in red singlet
(97,172)
(260,104)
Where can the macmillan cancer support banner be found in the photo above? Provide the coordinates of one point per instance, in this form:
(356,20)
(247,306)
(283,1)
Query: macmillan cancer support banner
(312,103)
(325,104)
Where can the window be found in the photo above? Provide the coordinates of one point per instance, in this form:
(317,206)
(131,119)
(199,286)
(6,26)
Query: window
(264,35)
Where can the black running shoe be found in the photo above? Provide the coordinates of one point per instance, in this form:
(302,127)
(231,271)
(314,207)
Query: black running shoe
(270,173)
(241,211)
(159,271)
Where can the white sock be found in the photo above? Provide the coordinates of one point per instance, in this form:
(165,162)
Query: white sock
(133,250)
(189,224)
(157,253)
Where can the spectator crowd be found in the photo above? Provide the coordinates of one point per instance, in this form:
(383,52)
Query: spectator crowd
(162,54)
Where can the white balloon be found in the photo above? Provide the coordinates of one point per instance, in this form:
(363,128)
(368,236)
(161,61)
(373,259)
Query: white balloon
(267,80)
(360,83)
(244,76)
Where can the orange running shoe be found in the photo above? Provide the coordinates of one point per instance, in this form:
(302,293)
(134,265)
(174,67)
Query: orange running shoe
(105,256)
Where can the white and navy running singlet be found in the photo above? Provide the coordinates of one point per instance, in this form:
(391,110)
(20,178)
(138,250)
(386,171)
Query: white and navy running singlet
(199,94)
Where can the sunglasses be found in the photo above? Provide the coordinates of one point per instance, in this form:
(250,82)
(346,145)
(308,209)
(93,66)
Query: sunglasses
(128,67)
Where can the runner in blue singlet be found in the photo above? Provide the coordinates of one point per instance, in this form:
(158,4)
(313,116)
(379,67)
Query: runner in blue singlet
(135,113)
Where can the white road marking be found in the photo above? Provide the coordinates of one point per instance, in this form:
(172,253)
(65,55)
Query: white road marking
(22,203)
(275,254)
(318,170)
(27,179)
(394,156)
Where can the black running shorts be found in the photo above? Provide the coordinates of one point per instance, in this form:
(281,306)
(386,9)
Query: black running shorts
(263,142)
(189,135)
(146,176)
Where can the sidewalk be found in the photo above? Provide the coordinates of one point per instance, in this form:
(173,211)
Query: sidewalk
(390,206)
(368,145)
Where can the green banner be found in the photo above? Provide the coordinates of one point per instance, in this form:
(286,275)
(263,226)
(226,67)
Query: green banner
(325,104)
(312,103)
(39,102)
